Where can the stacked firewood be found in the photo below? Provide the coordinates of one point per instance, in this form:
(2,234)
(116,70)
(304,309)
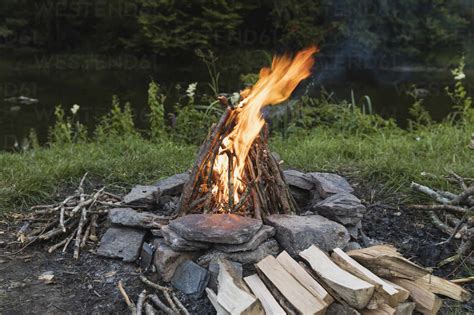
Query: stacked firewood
(74,220)
(375,280)
(453,214)
(266,189)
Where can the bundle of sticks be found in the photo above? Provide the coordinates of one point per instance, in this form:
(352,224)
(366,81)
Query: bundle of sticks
(73,220)
(452,213)
(147,301)
(266,189)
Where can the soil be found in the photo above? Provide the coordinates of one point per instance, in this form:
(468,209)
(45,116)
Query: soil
(89,285)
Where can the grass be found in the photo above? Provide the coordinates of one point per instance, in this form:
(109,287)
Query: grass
(391,158)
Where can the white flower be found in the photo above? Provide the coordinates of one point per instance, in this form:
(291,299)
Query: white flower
(417,138)
(75,109)
(191,89)
(460,76)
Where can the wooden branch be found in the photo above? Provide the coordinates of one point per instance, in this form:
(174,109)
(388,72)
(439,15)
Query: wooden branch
(430,192)
(130,304)
(140,301)
(451,208)
(162,306)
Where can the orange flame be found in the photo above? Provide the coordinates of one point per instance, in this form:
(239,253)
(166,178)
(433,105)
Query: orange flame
(274,86)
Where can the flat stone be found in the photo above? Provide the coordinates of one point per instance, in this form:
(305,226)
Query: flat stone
(299,180)
(166,260)
(296,233)
(214,273)
(143,195)
(351,246)
(178,243)
(258,238)
(172,185)
(344,208)
(328,184)
(191,279)
(133,218)
(216,228)
(269,247)
(121,242)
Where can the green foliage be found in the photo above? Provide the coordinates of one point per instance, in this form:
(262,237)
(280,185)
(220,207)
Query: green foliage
(156,101)
(117,123)
(462,102)
(67,128)
(421,116)
(344,116)
(209,60)
(249,78)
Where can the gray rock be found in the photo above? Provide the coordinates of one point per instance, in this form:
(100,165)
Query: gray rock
(132,218)
(352,246)
(258,238)
(178,243)
(166,260)
(172,185)
(121,242)
(328,184)
(339,309)
(214,273)
(296,233)
(344,208)
(142,195)
(191,279)
(270,247)
(299,179)
(216,228)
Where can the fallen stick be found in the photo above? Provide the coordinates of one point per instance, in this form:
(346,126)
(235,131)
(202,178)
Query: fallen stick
(69,239)
(56,246)
(463,280)
(430,192)
(86,236)
(130,304)
(140,301)
(451,208)
(153,284)
(149,310)
(77,242)
(180,305)
(158,303)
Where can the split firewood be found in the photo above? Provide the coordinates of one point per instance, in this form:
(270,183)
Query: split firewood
(405,308)
(270,305)
(284,303)
(290,288)
(356,292)
(389,294)
(426,302)
(386,261)
(220,310)
(303,277)
(233,295)
(444,287)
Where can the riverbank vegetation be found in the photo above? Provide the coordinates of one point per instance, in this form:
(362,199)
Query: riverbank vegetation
(313,134)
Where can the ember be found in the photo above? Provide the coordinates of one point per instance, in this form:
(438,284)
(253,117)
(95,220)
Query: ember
(234,171)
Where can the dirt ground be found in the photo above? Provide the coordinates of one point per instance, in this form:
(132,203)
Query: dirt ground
(89,285)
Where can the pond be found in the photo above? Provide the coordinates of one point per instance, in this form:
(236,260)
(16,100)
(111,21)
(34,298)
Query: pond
(90,81)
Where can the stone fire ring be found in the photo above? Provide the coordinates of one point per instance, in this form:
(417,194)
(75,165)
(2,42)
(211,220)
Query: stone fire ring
(216,228)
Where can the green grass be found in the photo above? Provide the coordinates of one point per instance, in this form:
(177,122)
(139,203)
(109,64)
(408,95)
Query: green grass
(390,159)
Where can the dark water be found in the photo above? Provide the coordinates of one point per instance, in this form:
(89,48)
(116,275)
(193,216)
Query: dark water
(90,82)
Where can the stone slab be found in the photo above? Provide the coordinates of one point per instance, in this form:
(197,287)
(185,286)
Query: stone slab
(191,279)
(142,195)
(178,243)
(133,218)
(328,184)
(121,242)
(172,185)
(258,238)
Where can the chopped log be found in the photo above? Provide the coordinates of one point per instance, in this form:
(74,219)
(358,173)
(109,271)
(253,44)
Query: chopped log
(356,292)
(211,295)
(405,308)
(404,293)
(444,287)
(232,293)
(426,302)
(383,309)
(270,305)
(386,261)
(287,307)
(290,288)
(388,293)
(303,277)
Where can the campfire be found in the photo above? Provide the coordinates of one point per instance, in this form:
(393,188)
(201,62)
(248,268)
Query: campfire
(235,171)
